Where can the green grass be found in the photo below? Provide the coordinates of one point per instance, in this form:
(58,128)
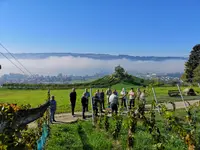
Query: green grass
(77,136)
(83,135)
(37,97)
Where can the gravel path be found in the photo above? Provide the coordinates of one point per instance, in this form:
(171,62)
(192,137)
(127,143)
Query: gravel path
(68,118)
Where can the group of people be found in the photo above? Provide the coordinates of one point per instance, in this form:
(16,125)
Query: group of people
(131,96)
(98,100)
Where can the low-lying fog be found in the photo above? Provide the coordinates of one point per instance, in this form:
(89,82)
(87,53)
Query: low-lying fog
(84,66)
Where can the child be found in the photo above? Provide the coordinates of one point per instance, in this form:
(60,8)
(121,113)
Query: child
(52,109)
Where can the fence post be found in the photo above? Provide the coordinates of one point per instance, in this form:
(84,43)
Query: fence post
(154,94)
(92,106)
(182,98)
(126,101)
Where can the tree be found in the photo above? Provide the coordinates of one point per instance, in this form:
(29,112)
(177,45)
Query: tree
(183,77)
(196,74)
(192,63)
(119,71)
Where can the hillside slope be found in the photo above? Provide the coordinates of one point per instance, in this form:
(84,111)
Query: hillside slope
(104,82)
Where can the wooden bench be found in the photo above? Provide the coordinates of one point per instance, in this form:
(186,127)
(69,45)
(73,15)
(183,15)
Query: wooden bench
(172,93)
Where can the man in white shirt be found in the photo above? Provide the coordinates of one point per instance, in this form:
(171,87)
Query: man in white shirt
(113,100)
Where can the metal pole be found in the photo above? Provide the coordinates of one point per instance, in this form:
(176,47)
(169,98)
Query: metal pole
(92,106)
(182,98)
(154,94)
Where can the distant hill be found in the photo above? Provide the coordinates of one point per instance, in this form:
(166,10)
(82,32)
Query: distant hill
(110,80)
(94,56)
(104,82)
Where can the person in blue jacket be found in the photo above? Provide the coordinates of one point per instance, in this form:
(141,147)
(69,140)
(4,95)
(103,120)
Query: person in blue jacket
(52,109)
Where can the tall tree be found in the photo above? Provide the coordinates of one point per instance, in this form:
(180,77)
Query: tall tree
(197,74)
(192,63)
(119,71)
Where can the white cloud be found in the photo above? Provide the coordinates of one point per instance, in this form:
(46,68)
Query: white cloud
(83,66)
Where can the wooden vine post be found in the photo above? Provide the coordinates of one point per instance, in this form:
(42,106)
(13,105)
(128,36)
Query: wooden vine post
(92,106)
(48,110)
(154,94)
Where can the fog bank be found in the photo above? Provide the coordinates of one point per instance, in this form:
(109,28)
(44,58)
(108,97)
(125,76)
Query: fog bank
(84,66)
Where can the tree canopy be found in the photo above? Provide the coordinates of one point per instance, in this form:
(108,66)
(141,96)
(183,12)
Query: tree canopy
(196,74)
(119,71)
(192,63)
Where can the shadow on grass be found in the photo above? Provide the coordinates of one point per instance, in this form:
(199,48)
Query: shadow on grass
(84,139)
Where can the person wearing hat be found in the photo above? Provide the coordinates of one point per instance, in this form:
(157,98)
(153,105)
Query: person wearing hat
(52,109)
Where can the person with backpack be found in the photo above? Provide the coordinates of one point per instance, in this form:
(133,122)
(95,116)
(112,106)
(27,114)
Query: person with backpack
(73,100)
(52,109)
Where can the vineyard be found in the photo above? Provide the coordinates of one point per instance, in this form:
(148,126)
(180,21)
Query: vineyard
(151,126)
(139,129)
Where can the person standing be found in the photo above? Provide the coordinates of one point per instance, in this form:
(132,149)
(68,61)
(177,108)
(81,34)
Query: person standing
(84,104)
(113,100)
(94,104)
(143,98)
(132,98)
(98,100)
(102,95)
(138,93)
(97,94)
(142,102)
(87,96)
(115,92)
(52,109)
(73,100)
(108,93)
(123,94)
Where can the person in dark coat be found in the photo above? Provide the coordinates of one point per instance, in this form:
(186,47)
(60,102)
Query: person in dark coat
(102,95)
(95,104)
(84,104)
(73,100)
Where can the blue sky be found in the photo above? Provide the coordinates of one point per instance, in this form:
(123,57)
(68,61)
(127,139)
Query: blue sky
(142,27)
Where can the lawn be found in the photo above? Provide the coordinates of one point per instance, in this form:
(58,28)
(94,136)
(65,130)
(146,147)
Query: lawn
(37,97)
(77,136)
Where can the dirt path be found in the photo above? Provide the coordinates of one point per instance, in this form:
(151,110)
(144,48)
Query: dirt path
(67,117)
